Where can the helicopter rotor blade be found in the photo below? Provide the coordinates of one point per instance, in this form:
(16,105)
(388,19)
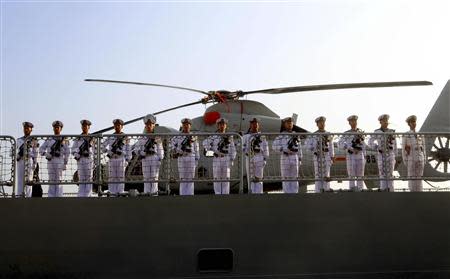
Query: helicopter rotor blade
(156,113)
(336,86)
(146,84)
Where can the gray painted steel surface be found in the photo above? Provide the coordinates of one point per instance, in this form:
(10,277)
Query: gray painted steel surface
(333,235)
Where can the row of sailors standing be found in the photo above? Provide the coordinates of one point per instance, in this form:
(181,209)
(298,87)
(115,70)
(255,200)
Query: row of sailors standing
(185,148)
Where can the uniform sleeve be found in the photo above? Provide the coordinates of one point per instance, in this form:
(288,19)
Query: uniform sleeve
(311,143)
(331,147)
(276,145)
(127,150)
(343,142)
(66,151)
(404,144)
(159,149)
(206,143)
(75,146)
(43,148)
(196,149)
(138,146)
(232,149)
(34,150)
(265,148)
(373,141)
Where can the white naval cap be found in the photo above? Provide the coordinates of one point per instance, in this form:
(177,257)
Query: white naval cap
(321,118)
(186,120)
(352,117)
(411,118)
(27,124)
(222,120)
(150,117)
(57,123)
(85,122)
(383,116)
(288,119)
(118,121)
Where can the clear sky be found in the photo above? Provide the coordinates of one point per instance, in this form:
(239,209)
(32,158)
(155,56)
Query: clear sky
(49,47)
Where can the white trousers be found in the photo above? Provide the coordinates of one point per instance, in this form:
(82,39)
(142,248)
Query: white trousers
(150,170)
(322,168)
(221,170)
(289,170)
(55,167)
(20,178)
(85,176)
(415,170)
(255,171)
(186,169)
(116,174)
(386,164)
(355,169)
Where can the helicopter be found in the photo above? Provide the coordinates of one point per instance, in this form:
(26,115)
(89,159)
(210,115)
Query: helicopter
(238,111)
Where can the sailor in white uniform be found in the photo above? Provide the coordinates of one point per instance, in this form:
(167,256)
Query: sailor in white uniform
(118,151)
(83,149)
(289,145)
(414,154)
(26,156)
(185,147)
(224,154)
(386,146)
(323,155)
(355,148)
(256,151)
(151,151)
(56,150)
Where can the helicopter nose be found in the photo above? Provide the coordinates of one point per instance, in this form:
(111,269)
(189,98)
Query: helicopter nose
(210,117)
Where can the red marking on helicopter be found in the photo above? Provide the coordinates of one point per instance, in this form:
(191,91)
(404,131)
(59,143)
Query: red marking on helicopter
(339,159)
(210,117)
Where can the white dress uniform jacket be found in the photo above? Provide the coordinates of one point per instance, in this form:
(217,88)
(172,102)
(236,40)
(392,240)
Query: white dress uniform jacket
(414,154)
(118,151)
(256,150)
(289,145)
(26,163)
(386,146)
(355,147)
(322,147)
(56,150)
(150,149)
(83,149)
(185,147)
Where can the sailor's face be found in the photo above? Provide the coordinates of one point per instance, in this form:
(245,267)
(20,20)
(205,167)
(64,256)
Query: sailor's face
(186,127)
(384,123)
(222,127)
(412,124)
(254,127)
(57,130)
(288,125)
(149,127)
(85,128)
(27,130)
(321,125)
(353,123)
(118,127)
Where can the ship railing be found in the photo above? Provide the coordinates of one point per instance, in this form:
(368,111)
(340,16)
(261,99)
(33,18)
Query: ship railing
(375,149)
(7,164)
(97,170)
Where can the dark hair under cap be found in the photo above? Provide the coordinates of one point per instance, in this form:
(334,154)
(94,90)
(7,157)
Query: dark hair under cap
(27,124)
(119,121)
(85,122)
(57,123)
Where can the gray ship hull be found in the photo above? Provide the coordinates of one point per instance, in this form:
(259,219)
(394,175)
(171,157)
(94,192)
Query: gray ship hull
(339,235)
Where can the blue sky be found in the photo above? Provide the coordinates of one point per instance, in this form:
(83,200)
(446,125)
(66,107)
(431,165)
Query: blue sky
(49,47)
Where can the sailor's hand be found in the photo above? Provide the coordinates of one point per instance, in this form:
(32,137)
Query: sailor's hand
(408,149)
